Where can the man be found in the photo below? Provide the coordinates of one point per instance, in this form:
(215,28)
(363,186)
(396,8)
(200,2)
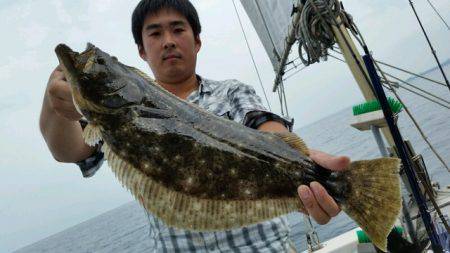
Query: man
(167,34)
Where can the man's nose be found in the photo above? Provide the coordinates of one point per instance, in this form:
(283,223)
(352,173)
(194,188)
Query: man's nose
(169,45)
(168,41)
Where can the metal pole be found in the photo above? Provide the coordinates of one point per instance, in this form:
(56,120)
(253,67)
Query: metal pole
(311,235)
(408,221)
(379,139)
(398,139)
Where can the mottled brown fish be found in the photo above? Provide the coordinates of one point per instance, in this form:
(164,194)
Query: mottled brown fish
(197,171)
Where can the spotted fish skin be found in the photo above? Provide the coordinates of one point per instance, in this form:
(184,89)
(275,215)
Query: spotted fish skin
(201,172)
(179,144)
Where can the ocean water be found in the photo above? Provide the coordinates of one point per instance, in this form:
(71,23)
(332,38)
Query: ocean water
(125,228)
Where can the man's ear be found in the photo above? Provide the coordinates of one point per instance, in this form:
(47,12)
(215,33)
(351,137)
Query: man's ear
(198,43)
(142,52)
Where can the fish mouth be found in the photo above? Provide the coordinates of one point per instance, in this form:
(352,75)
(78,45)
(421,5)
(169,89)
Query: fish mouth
(72,64)
(66,58)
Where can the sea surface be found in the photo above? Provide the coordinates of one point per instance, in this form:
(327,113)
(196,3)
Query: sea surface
(125,228)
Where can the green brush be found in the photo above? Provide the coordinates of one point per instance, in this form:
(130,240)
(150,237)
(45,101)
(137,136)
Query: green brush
(374,105)
(363,238)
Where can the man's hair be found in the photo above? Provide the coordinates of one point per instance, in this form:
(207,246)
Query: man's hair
(151,7)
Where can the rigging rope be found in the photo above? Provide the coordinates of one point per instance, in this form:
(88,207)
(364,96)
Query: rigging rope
(336,49)
(437,12)
(275,51)
(430,45)
(291,75)
(347,21)
(295,66)
(251,54)
(409,84)
(314,33)
(424,137)
(424,91)
(411,73)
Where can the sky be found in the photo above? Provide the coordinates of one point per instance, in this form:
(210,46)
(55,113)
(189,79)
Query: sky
(39,196)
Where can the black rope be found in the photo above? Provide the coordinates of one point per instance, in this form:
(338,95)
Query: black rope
(437,13)
(429,43)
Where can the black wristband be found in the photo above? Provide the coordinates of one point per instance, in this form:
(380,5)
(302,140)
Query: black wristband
(254,119)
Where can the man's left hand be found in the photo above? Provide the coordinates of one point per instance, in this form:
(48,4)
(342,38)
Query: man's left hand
(317,202)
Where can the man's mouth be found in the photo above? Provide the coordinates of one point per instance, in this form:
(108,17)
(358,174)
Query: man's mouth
(171,56)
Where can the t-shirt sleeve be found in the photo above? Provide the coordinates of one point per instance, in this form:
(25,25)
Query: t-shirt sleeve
(90,165)
(247,107)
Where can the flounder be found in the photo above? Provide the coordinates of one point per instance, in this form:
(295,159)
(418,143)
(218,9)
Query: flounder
(197,171)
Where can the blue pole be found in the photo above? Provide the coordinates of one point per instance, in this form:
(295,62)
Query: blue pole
(398,139)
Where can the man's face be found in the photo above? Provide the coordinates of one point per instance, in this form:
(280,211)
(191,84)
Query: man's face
(169,46)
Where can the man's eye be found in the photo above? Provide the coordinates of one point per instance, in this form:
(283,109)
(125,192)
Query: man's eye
(179,30)
(154,34)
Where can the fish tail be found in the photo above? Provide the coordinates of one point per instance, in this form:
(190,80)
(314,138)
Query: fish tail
(374,198)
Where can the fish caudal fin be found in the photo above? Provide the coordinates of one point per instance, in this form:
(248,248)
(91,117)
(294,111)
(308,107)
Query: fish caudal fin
(374,200)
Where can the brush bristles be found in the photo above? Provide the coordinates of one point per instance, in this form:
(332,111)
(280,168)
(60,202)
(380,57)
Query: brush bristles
(188,212)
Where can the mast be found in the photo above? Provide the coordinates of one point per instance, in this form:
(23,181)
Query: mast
(357,68)
(366,76)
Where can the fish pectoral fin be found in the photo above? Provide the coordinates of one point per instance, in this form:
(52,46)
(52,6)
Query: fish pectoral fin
(294,141)
(149,112)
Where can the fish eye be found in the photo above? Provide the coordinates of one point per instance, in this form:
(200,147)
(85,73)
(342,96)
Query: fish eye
(146,102)
(101,61)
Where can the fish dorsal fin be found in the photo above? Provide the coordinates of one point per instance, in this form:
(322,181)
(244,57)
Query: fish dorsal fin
(294,141)
(142,74)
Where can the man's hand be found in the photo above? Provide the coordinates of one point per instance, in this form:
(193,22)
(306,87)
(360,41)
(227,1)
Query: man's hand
(317,202)
(59,96)
(59,121)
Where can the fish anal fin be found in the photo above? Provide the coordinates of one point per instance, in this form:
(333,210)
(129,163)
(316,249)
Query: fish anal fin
(294,141)
(184,211)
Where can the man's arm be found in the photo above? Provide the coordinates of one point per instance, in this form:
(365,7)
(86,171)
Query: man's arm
(317,202)
(59,122)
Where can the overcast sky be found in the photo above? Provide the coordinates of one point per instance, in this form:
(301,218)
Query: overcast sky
(39,197)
